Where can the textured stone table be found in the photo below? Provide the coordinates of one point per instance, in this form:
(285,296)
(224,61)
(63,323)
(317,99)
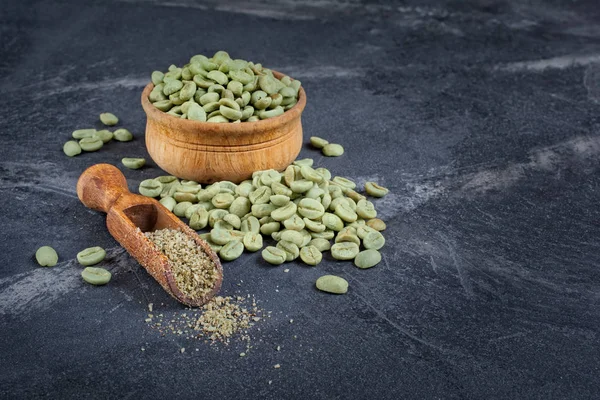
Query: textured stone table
(482,117)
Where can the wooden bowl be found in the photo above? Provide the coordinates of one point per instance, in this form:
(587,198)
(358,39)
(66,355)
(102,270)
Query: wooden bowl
(209,152)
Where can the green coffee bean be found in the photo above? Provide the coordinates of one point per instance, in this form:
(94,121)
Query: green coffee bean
(345,212)
(374,240)
(122,135)
(279,200)
(157,77)
(46,256)
(250,224)
(150,188)
(365,209)
(320,244)
(294,223)
(91,255)
(199,219)
(181,197)
(376,224)
(324,172)
(187,91)
(270,227)
(83,133)
(71,148)
(91,144)
(310,255)
(344,250)
(180,208)
(318,142)
(301,186)
(308,162)
(227,187)
(240,206)
(262,210)
(221,224)
(196,113)
(347,236)
(221,236)
(306,237)
(314,226)
(262,195)
(344,182)
(332,150)
(285,212)
(291,249)
(274,255)
(326,201)
(210,97)
(310,174)
(164,105)
(231,250)
(280,189)
(367,259)
(315,192)
(209,192)
(269,177)
(168,202)
(327,235)
(192,209)
(233,220)
(133,163)
(293,236)
(171,87)
(218,77)
(215,215)
(217,119)
(223,200)
(363,230)
(109,119)
(253,241)
(104,135)
(375,190)
(332,284)
(96,276)
(310,208)
(264,114)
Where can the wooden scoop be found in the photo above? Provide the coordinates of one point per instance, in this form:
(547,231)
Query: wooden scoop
(103,187)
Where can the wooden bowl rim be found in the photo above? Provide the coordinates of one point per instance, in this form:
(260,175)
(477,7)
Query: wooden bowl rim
(242,128)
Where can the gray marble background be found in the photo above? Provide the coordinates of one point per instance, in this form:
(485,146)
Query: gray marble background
(482,117)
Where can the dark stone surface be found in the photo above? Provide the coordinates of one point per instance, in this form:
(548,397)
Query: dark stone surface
(480,116)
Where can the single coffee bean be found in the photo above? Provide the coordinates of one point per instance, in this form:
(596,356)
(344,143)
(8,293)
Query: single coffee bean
(109,119)
(332,150)
(279,200)
(310,208)
(91,255)
(231,250)
(150,188)
(83,133)
(318,142)
(134,163)
(320,244)
(376,224)
(221,236)
(270,227)
(181,208)
(344,250)
(310,255)
(295,223)
(253,241)
(332,284)
(293,236)
(105,135)
(46,256)
(332,221)
(91,144)
(123,135)
(274,255)
(250,224)
(374,240)
(292,251)
(96,276)
(71,148)
(375,190)
(168,202)
(285,212)
(199,219)
(223,200)
(345,212)
(308,162)
(367,258)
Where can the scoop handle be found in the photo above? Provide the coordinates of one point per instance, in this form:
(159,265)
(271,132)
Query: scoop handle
(100,186)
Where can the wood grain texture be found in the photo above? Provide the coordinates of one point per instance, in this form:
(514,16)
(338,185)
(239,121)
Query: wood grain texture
(103,187)
(209,152)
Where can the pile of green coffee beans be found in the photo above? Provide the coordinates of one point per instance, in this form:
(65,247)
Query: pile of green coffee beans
(221,89)
(302,209)
(93,140)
